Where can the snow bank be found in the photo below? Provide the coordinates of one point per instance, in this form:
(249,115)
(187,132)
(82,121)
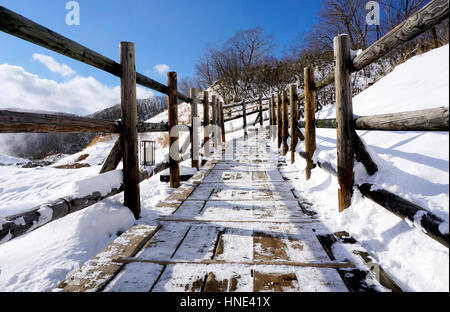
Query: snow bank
(413,165)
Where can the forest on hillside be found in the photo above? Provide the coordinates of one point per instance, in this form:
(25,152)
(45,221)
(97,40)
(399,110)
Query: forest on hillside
(244,67)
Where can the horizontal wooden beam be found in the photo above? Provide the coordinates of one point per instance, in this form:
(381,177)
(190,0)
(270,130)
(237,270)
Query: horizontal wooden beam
(28,221)
(434,119)
(23,122)
(424,19)
(240,116)
(21,27)
(418,217)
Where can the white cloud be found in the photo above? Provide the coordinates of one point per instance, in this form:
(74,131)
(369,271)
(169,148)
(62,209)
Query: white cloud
(54,66)
(161,69)
(77,95)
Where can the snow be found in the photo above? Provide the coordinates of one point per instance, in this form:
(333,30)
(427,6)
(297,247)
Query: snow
(413,165)
(6,160)
(102,183)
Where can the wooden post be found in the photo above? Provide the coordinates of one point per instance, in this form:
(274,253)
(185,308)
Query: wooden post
(285,126)
(222,122)
(310,120)
(244,117)
(344,118)
(261,112)
(294,114)
(173,131)
(206,128)
(279,119)
(194,123)
(132,197)
(274,120)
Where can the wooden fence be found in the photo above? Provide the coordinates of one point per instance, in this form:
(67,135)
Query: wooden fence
(283,109)
(349,144)
(126,147)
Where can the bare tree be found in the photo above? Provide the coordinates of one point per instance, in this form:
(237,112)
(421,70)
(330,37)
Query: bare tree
(230,67)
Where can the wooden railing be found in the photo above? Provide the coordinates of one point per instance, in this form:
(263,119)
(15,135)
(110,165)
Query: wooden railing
(283,115)
(126,147)
(349,144)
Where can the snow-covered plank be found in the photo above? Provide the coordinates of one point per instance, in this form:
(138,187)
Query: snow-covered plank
(141,277)
(98,271)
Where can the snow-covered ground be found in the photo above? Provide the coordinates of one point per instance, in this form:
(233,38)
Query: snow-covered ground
(414,165)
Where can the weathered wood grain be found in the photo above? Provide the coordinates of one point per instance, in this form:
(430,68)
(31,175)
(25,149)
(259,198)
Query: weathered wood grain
(344,117)
(206,130)
(362,155)
(193,92)
(114,157)
(424,19)
(279,120)
(23,122)
(434,119)
(310,118)
(416,215)
(130,147)
(97,272)
(174,135)
(293,98)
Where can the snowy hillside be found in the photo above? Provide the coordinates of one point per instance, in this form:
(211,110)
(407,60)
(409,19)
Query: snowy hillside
(413,165)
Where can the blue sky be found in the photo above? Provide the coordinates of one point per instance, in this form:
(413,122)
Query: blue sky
(171,32)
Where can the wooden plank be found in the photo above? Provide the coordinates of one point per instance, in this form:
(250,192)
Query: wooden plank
(310,118)
(139,277)
(114,157)
(380,274)
(356,280)
(312,264)
(174,135)
(424,19)
(344,117)
(274,282)
(132,197)
(98,271)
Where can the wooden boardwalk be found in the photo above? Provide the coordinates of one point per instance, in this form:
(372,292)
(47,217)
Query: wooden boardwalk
(235,226)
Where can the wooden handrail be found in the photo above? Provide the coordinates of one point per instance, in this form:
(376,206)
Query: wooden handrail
(424,19)
(21,27)
(433,119)
(23,122)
